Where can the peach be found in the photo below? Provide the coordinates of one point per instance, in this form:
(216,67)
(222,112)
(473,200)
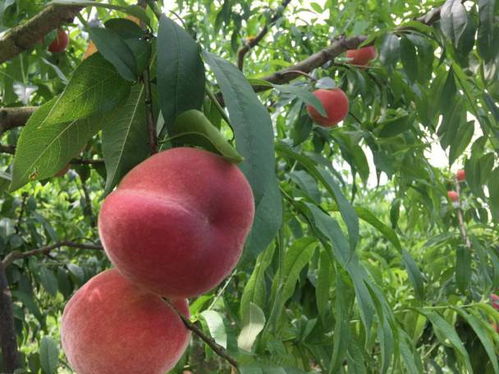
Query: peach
(460,175)
(91,49)
(335,103)
(453,195)
(112,326)
(60,43)
(362,56)
(177,222)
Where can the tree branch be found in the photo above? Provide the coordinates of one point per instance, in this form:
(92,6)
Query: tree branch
(8,343)
(14,117)
(217,348)
(16,255)
(25,36)
(251,43)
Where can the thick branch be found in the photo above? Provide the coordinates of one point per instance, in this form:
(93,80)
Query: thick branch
(251,43)
(217,348)
(8,343)
(14,117)
(16,255)
(25,36)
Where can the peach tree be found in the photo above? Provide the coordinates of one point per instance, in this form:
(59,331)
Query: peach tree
(369,252)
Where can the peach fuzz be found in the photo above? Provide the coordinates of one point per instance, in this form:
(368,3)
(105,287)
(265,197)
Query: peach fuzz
(177,223)
(335,102)
(362,56)
(112,326)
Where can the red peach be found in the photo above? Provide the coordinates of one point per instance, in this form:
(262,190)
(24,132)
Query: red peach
(362,56)
(112,326)
(177,223)
(460,175)
(453,195)
(60,43)
(335,102)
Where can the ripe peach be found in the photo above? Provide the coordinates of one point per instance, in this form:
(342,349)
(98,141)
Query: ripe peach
(453,195)
(335,103)
(112,326)
(60,43)
(460,175)
(177,223)
(362,56)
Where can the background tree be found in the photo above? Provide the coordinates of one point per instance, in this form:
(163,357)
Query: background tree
(358,261)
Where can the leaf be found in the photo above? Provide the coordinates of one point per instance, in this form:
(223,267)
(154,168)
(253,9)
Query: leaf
(49,355)
(477,324)
(5,180)
(125,143)
(303,94)
(267,222)
(180,71)
(488,31)
(48,280)
(463,268)
(251,123)
(409,58)
(453,20)
(446,333)
(323,286)
(198,130)
(57,131)
(253,326)
(216,326)
(370,218)
(493,185)
(341,337)
(114,49)
(133,10)
(415,276)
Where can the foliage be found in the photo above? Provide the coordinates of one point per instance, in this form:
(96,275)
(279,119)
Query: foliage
(357,261)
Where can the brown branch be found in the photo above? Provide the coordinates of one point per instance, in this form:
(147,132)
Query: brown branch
(16,255)
(14,117)
(23,37)
(8,343)
(253,42)
(217,348)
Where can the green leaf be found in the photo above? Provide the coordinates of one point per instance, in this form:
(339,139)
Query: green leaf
(180,71)
(114,49)
(48,280)
(446,333)
(409,58)
(125,143)
(341,337)
(251,123)
(252,327)
(194,127)
(267,222)
(5,180)
(488,31)
(494,193)
(49,355)
(477,324)
(453,20)
(57,131)
(463,268)
(133,10)
(370,218)
(415,276)
(216,326)
(323,286)
(303,94)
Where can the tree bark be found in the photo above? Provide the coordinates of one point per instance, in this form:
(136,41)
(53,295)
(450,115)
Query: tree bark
(10,354)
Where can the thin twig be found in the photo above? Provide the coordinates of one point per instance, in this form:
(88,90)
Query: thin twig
(16,255)
(251,43)
(217,348)
(88,203)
